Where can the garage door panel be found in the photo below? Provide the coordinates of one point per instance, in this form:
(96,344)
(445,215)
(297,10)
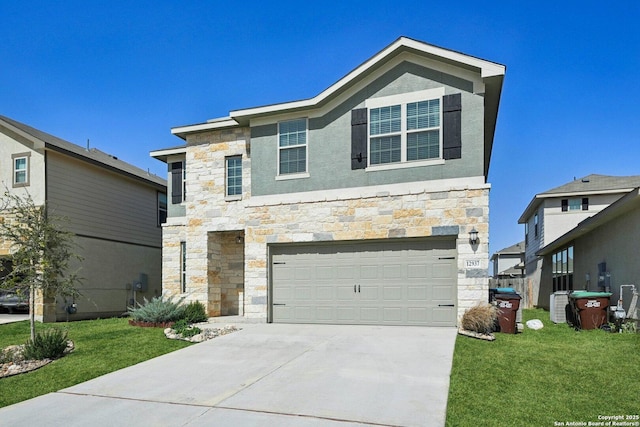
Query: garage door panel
(325,272)
(417,271)
(395,283)
(392,271)
(325,293)
(304,293)
(417,292)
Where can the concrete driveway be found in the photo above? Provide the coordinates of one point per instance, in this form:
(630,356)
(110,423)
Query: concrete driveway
(269,374)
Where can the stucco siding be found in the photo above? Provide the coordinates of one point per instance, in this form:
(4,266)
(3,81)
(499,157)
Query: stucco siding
(100,203)
(36,188)
(329,142)
(615,243)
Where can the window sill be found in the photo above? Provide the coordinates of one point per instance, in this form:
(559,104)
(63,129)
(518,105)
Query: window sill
(415,164)
(292,176)
(232,198)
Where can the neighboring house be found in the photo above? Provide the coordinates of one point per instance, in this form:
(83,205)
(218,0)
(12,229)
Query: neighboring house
(509,262)
(354,206)
(114,209)
(604,248)
(552,214)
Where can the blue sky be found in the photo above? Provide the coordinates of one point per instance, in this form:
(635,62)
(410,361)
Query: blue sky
(122,73)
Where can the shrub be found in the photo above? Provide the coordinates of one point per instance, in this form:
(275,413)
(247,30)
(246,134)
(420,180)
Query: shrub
(480,318)
(49,344)
(158,310)
(195,312)
(182,327)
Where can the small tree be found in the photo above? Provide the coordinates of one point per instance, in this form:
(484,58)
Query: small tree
(40,252)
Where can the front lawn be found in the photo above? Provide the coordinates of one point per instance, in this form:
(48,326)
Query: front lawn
(550,377)
(101,346)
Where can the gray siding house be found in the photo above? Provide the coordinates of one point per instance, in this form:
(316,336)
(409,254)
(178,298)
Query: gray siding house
(113,208)
(357,206)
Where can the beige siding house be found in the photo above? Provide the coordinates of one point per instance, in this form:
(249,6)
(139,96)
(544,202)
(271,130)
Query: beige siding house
(365,204)
(553,213)
(114,209)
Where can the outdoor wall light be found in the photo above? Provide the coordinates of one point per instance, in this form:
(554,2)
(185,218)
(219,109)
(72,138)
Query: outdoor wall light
(473,236)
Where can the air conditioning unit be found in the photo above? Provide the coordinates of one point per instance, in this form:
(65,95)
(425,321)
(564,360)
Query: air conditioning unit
(557,306)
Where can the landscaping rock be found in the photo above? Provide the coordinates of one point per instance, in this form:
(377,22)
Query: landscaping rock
(20,366)
(206,334)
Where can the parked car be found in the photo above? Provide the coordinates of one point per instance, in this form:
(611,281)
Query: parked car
(12,301)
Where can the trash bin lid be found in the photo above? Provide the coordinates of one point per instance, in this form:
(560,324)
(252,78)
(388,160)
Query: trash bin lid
(504,290)
(587,294)
(508,296)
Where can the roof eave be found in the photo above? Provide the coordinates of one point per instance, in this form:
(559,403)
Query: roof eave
(215,124)
(491,72)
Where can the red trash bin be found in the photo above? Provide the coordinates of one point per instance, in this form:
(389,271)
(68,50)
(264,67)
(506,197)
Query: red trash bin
(508,305)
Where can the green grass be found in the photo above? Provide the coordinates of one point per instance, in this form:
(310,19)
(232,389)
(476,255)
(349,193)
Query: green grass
(101,346)
(538,378)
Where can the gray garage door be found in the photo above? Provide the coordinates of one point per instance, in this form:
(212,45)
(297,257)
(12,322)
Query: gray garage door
(408,282)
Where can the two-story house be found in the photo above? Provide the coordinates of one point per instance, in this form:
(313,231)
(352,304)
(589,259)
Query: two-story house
(113,209)
(555,212)
(509,262)
(366,204)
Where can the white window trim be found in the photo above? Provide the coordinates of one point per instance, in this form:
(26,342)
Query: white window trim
(298,175)
(402,100)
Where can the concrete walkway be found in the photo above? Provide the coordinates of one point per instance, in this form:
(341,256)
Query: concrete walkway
(269,374)
(13,317)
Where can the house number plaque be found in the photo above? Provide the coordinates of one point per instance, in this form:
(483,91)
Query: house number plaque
(472,263)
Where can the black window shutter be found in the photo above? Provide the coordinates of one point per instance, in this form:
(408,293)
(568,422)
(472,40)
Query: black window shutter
(176,183)
(359,138)
(452,126)
(585,203)
(565,205)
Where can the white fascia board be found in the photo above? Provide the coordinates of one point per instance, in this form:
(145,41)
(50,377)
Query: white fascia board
(486,69)
(222,123)
(162,155)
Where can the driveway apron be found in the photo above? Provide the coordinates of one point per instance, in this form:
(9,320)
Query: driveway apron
(269,374)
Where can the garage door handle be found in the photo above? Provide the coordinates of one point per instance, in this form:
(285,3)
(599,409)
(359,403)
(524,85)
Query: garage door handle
(446,305)
(278,304)
(447,257)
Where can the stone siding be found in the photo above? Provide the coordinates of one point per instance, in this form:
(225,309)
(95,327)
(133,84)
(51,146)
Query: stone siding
(213,222)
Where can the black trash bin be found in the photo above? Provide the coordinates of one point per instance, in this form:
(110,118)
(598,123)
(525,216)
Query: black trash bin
(508,305)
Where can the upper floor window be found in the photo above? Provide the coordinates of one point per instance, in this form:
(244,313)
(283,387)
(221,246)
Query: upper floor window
(178,182)
(162,208)
(234,176)
(405,128)
(292,147)
(575,204)
(535,224)
(21,169)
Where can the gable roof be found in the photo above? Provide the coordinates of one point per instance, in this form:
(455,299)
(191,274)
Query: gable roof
(94,156)
(621,206)
(516,249)
(588,185)
(491,74)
